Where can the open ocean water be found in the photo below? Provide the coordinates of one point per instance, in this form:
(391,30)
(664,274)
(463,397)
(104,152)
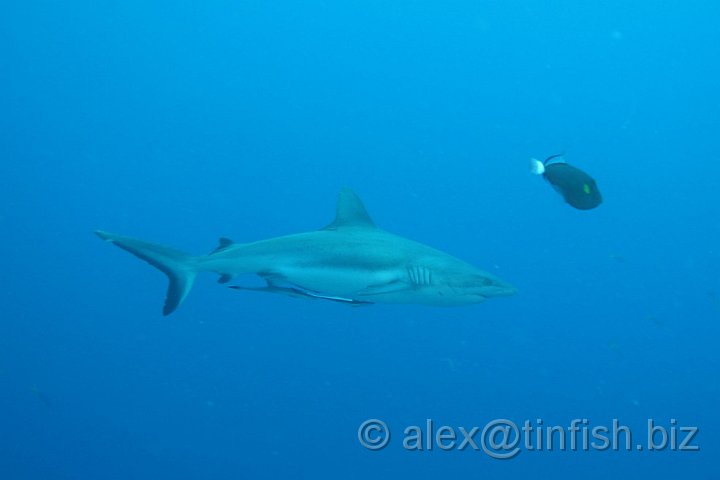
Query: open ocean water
(182,121)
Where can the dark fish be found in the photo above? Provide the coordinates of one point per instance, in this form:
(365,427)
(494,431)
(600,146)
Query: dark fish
(577,187)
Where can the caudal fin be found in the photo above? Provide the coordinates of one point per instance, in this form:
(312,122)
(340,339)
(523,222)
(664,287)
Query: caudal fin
(179,266)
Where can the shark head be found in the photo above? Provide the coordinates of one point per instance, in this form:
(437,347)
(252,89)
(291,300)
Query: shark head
(476,287)
(455,283)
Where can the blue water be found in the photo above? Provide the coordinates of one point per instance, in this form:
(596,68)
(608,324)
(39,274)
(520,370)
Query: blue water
(179,122)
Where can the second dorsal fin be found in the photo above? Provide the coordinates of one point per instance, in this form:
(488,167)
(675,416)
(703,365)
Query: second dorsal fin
(223,243)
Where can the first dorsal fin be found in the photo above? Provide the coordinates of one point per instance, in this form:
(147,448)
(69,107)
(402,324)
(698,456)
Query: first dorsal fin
(350,212)
(223,243)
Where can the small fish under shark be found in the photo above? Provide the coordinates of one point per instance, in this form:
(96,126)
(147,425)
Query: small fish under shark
(349,261)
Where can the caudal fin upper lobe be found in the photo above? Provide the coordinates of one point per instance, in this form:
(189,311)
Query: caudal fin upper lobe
(180,267)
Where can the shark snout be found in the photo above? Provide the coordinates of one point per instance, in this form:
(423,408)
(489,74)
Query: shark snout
(493,286)
(475,287)
(502,289)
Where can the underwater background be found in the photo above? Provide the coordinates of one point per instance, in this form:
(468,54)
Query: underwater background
(179,122)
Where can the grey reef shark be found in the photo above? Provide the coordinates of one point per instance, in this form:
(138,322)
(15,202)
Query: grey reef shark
(349,261)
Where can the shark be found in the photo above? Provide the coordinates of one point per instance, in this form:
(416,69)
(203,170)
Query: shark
(349,261)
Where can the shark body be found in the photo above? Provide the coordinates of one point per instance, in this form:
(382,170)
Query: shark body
(349,261)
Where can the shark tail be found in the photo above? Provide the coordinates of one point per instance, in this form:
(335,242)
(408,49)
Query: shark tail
(180,267)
